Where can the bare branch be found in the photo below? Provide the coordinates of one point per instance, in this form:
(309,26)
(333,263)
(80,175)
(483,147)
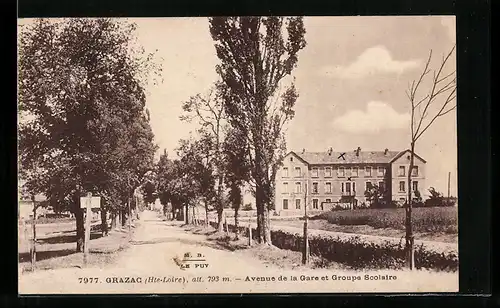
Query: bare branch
(450,74)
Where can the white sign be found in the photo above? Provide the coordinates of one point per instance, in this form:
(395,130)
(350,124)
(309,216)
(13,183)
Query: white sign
(95,202)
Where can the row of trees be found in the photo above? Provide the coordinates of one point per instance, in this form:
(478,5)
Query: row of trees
(83,126)
(239,141)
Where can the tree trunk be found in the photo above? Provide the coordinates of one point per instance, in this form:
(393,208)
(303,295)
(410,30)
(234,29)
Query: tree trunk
(123,217)
(263,225)
(80,228)
(207,223)
(104,222)
(220,204)
(220,222)
(236,223)
(113,219)
(410,258)
(186,214)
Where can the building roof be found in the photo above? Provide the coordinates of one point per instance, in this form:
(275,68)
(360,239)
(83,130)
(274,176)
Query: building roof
(348,157)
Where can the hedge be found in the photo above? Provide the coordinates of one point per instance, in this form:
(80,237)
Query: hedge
(361,251)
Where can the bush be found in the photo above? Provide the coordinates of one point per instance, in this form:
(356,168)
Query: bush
(247,207)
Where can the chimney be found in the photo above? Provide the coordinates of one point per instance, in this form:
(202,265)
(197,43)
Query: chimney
(357,151)
(330,150)
(303,151)
(386,151)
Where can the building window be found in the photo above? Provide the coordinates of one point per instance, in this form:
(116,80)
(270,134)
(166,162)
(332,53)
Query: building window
(354,187)
(402,186)
(285,187)
(380,171)
(414,185)
(291,158)
(297,204)
(297,172)
(348,188)
(285,172)
(328,200)
(328,188)
(414,171)
(315,204)
(285,204)
(342,187)
(401,171)
(381,186)
(341,172)
(368,186)
(298,188)
(354,171)
(368,171)
(328,172)
(314,172)
(315,188)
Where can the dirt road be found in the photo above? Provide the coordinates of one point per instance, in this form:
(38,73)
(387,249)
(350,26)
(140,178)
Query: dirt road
(153,264)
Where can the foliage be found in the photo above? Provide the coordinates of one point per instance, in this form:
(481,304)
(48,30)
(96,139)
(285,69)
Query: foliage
(175,183)
(81,106)
(434,219)
(236,165)
(247,207)
(209,112)
(437,199)
(378,198)
(255,57)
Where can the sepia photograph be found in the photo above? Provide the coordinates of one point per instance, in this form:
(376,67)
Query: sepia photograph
(235,155)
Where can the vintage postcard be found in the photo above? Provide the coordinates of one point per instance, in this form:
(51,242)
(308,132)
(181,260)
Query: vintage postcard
(237,155)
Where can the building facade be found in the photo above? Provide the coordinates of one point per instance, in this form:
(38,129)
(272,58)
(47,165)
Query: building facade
(339,179)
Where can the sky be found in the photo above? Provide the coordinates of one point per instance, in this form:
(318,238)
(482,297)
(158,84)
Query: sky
(351,78)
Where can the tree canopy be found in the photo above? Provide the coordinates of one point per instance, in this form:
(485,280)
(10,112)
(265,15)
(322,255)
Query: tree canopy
(83,125)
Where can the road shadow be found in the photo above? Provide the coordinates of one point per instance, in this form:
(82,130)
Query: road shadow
(61,239)
(155,241)
(44,255)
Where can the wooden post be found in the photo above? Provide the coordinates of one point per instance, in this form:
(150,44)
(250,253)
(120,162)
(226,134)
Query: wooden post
(33,243)
(87,229)
(305,252)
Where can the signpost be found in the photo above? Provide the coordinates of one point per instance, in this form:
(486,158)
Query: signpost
(89,203)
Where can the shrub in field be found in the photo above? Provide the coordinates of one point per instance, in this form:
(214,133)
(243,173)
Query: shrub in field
(434,219)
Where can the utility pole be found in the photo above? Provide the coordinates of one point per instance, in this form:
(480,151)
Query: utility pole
(305,253)
(449,174)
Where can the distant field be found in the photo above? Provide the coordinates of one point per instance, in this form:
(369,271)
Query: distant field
(435,219)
